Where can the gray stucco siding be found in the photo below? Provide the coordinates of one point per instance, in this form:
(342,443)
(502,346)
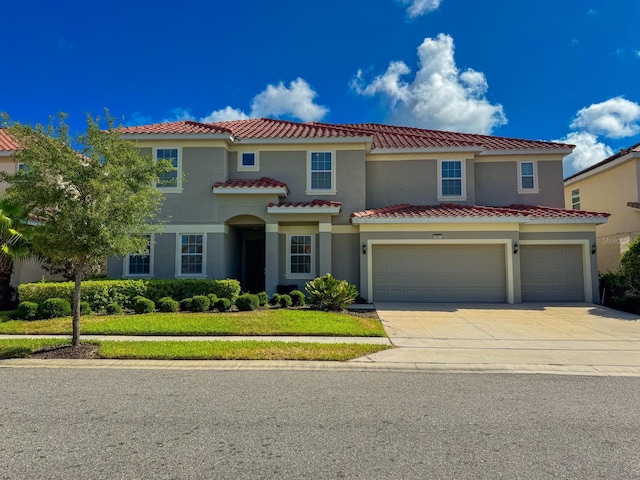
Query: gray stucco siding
(394,182)
(164,255)
(345,257)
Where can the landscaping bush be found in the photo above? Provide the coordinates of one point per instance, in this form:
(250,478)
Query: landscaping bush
(275,300)
(85,308)
(630,267)
(285,301)
(329,293)
(612,284)
(263,298)
(190,287)
(144,305)
(185,304)
(298,298)
(630,303)
(213,298)
(54,308)
(113,309)
(199,303)
(223,304)
(167,305)
(247,302)
(27,311)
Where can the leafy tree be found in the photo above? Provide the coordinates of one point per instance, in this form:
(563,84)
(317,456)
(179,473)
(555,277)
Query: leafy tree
(14,245)
(91,191)
(630,266)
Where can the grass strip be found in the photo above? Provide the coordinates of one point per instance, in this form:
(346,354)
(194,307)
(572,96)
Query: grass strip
(241,350)
(23,347)
(257,322)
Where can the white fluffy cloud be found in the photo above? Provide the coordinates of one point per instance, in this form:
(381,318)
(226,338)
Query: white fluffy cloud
(296,100)
(614,118)
(588,151)
(439,96)
(420,7)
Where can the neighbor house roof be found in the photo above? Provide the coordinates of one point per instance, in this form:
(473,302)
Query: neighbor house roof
(381,137)
(7,143)
(633,150)
(452,212)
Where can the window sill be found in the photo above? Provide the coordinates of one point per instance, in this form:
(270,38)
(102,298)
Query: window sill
(170,189)
(299,276)
(451,199)
(320,192)
(146,275)
(195,275)
(528,191)
(249,169)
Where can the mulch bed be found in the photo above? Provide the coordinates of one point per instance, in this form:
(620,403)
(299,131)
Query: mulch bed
(82,351)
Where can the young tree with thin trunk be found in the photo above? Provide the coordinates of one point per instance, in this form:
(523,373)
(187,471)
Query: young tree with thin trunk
(93,193)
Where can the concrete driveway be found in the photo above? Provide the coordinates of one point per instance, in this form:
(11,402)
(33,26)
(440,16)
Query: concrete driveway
(582,338)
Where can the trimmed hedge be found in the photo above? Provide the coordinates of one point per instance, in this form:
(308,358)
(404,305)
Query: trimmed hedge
(199,303)
(298,298)
(85,308)
(27,311)
(247,302)
(285,301)
(100,293)
(54,308)
(274,300)
(263,298)
(144,305)
(113,309)
(167,305)
(223,304)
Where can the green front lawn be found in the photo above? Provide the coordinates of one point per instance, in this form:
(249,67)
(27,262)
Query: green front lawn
(257,322)
(200,350)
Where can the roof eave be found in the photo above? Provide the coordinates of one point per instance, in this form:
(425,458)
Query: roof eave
(6,153)
(469,149)
(280,191)
(331,210)
(587,220)
(365,220)
(300,140)
(529,151)
(177,136)
(590,171)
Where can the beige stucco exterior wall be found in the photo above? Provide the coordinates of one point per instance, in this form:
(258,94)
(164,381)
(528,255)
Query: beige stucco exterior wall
(609,191)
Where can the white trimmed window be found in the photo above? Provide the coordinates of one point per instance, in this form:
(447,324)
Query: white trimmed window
(248,161)
(451,180)
(140,265)
(322,173)
(170,181)
(191,255)
(527,178)
(300,257)
(575,199)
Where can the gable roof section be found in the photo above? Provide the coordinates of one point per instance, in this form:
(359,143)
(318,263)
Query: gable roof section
(251,186)
(453,213)
(314,206)
(7,143)
(174,128)
(620,157)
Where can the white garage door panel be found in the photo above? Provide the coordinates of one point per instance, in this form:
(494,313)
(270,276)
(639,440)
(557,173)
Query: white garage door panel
(439,273)
(552,273)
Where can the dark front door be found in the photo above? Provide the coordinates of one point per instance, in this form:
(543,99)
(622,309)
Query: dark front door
(253,265)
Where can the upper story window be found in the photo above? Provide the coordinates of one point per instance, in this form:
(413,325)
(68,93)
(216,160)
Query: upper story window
(191,255)
(575,199)
(322,173)
(300,260)
(527,177)
(248,161)
(140,265)
(451,180)
(169,180)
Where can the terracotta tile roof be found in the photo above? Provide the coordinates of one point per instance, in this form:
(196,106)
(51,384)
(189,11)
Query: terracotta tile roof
(635,205)
(271,128)
(7,143)
(389,136)
(181,127)
(632,149)
(264,182)
(445,210)
(317,203)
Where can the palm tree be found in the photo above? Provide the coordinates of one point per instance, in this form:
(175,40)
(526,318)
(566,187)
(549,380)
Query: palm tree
(14,245)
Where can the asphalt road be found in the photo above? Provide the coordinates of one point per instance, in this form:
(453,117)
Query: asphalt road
(108,423)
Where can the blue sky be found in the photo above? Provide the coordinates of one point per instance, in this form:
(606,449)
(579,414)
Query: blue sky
(552,70)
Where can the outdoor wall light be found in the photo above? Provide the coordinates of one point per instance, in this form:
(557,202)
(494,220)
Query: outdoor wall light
(516,247)
(594,249)
(364,248)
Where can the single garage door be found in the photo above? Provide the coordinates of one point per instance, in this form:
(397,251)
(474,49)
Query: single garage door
(439,273)
(551,273)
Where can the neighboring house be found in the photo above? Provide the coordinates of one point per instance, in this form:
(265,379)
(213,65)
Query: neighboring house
(612,185)
(406,214)
(25,270)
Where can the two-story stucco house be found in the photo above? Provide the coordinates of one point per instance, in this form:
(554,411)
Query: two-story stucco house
(612,185)
(406,214)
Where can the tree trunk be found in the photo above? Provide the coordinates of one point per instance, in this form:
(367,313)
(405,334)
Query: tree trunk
(6,290)
(75,339)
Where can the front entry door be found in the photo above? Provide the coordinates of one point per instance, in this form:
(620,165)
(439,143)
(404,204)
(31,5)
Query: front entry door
(254,263)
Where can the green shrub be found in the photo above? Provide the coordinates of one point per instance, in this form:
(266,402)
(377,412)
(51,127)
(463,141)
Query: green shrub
(199,303)
(167,305)
(190,287)
(27,311)
(612,284)
(298,298)
(213,298)
(85,308)
(629,303)
(275,299)
(285,301)
(113,309)
(247,302)
(263,298)
(54,308)
(223,304)
(185,304)
(329,293)
(144,305)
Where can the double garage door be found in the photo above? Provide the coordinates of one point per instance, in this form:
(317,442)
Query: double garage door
(474,273)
